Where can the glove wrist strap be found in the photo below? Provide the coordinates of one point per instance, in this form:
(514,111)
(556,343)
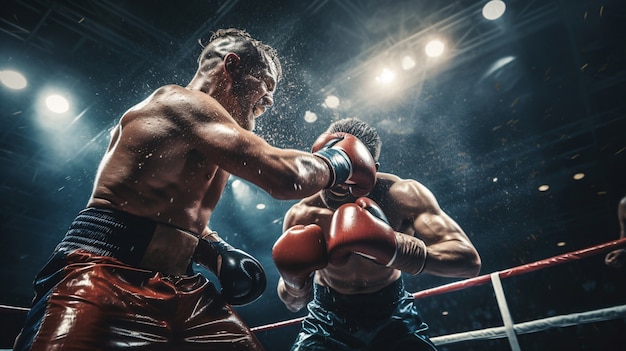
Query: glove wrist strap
(339,164)
(410,256)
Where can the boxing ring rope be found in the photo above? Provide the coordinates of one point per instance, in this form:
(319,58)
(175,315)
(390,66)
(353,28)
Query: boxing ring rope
(510,329)
(5,308)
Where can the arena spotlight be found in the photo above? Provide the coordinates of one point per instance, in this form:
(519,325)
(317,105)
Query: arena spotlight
(331,101)
(434,48)
(54,109)
(386,76)
(310,117)
(57,103)
(13,80)
(407,63)
(494,9)
(242,192)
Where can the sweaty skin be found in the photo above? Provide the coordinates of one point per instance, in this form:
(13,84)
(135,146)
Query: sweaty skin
(171,155)
(412,210)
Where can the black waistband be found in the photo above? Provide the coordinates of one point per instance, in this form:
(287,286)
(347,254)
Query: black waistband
(109,232)
(385,296)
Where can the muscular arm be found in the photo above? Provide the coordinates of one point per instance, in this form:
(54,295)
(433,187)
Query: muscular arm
(175,151)
(450,252)
(296,302)
(297,214)
(295,299)
(283,173)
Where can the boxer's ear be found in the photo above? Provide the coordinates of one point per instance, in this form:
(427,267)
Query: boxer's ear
(232,63)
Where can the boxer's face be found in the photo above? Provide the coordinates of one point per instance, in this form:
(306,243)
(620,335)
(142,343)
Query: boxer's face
(337,196)
(255,91)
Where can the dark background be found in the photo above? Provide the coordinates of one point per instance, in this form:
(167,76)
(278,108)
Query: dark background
(482,136)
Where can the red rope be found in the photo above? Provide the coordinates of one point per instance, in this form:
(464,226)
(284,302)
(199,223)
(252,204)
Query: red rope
(480,280)
(530,267)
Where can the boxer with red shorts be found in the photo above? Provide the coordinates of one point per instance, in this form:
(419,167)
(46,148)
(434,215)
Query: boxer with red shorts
(100,275)
(121,278)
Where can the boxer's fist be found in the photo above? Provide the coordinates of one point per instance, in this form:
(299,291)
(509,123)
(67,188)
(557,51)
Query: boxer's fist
(349,160)
(241,276)
(361,228)
(298,253)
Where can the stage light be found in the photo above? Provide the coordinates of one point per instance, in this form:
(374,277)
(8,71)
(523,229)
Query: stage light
(386,76)
(494,9)
(408,63)
(310,117)
(54,109)
(13,80)
(434,48)
(57,103)
(331,101)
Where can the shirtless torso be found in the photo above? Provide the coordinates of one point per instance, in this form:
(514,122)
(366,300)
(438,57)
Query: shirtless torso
(412,210)
(171,155)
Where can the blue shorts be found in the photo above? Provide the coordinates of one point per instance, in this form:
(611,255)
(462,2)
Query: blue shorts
(384,320)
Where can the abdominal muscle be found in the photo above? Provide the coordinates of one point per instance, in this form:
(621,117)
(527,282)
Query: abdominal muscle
(358,276)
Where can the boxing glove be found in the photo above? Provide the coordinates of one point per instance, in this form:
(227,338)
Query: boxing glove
(297,254)
(361,228)
(350,161)
(354,229)
(241,276)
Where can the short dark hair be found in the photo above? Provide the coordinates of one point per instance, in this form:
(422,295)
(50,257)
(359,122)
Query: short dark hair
(251,51)
(364,132)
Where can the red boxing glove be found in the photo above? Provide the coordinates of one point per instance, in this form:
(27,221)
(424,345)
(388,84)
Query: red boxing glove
(361,228)
(299,252)
(349,160)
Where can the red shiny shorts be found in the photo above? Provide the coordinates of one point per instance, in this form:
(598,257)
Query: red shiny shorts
(98,303)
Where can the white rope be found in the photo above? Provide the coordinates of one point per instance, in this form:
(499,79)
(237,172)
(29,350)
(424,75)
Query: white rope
(504,312)
(603,314)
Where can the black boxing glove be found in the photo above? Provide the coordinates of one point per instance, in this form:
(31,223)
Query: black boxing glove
(241,276)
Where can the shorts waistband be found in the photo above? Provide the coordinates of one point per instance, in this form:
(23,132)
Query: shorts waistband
(389,294)
(131,239)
